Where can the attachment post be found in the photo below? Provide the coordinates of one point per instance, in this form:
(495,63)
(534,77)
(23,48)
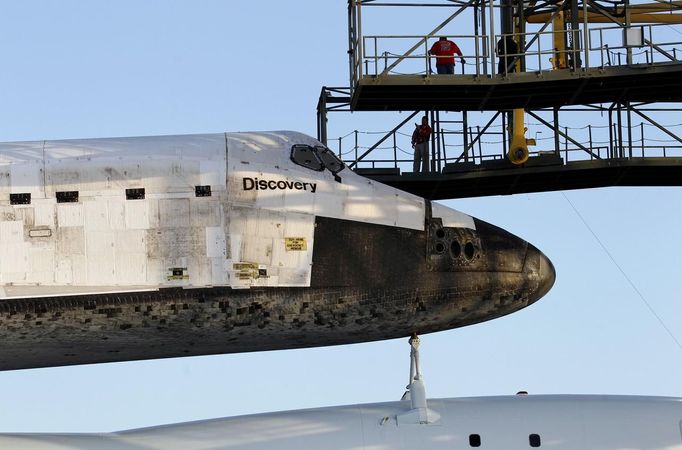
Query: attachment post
(416,392)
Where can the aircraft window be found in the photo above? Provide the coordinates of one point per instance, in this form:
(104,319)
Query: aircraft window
(135,194)
(330,160)
(20,199)
(202,191)
(475,440)
(67,197)
(305,155)
(534,440)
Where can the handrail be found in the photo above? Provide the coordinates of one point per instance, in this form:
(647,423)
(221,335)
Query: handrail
(591,142)
(383,55)
(611,38)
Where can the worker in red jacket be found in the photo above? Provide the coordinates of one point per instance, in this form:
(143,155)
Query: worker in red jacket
(420,144)
(445,50)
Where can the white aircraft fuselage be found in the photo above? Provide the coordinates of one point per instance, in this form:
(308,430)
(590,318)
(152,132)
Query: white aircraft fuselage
(136,248)
(559,422)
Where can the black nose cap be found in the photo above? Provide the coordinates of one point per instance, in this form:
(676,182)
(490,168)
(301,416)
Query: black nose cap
(539,266)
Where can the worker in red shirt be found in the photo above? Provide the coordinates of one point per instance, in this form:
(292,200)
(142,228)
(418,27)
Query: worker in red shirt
(420,144)
(445,50)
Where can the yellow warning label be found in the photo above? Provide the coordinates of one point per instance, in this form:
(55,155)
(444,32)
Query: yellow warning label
(295,244)
(177,277)
(245,270)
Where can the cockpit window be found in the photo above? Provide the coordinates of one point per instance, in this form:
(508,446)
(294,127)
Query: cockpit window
(306,156)
(316,158)
(330,160)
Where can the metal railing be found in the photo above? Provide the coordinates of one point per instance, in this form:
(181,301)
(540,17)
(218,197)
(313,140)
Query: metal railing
(385,50)
(480,145)
(385,54)
(615,49)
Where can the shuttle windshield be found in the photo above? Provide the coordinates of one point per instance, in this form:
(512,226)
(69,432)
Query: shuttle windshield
(316,158)
(330,160)
(306,156)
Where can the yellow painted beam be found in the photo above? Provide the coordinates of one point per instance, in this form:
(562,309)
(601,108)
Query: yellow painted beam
(657,7)
(598,18)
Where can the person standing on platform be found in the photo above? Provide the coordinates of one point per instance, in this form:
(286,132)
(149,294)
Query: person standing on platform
(507,46)
(420,144)
(445,51)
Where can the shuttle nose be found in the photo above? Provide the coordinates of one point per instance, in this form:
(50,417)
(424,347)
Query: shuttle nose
(493,272)
(538,267)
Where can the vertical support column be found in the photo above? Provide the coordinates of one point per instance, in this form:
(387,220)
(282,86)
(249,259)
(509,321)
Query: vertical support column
(611,133)
(465,135)
(629,121)
(437,134)
(557,148)
(360,43)
(507,20)
(355,47)
(512,21)
(484,36)
(351,44)
(492,37)
(575,36)
(322,116)
(506,17)
(559,39)
(586,34)
(395,152)
(641,133)
(507,28)
(480,147)
(521,30)
(432,159)
(506,134)
(619,117)
(628,49)
(477,46)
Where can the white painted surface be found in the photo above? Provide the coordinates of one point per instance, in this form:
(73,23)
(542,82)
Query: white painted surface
(265,156)
(503,423)
(104,241)
(452,217)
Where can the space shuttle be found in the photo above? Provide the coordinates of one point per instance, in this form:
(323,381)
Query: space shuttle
(150,247)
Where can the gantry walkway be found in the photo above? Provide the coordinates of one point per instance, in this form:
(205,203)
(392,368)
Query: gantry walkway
(619,146)
(605,63)
(588,101)
(660,82)
(538,176)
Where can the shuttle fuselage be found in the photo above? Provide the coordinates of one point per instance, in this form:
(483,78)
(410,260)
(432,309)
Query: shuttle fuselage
(136,248)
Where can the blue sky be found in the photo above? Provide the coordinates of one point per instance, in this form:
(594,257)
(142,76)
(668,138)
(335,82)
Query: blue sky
(75,69)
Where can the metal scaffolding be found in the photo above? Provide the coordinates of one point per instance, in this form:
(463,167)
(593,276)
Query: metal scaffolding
(593,81)
(564,34)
